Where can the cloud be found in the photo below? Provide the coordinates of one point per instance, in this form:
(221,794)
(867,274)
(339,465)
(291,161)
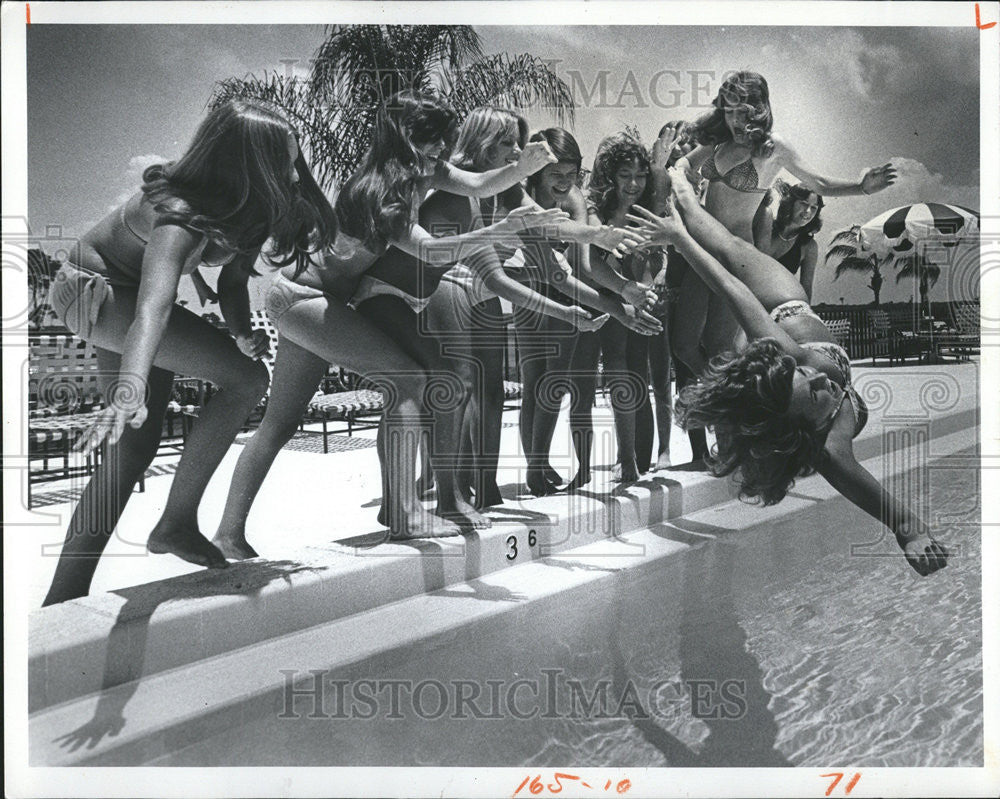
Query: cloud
(132,177)
(864,67)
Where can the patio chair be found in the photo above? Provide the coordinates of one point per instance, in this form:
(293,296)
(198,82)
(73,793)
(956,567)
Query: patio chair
(963,339)
(841,331)
(888,339)
(909,343)
(64,400)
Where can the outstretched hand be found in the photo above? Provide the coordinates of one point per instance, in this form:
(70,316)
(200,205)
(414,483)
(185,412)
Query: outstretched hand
(656,230)
(528,217)
(584,322)
(878,178)
(110,425)
(256,345)
(639,321)
(638,294)
(618,241)
(923,553)
(535,156)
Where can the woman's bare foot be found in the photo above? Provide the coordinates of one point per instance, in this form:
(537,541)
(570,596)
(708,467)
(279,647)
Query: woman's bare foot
(186,543)
(578,482)
(538,485)
(419,523)
(463,514)
(662,462)
(553,476)
(234,547)
(625,473)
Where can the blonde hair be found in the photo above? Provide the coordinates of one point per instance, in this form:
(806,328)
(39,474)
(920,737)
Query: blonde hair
(482,130)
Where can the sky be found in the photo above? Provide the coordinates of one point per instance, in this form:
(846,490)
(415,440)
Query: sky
(105,101)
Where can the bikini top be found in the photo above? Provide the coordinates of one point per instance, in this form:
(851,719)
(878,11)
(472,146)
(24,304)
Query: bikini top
(742,177)
(838,356)
(403,275)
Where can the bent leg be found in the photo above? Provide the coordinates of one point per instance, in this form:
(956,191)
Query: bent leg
(297,373)
(192,347)
(108,490)
(445,399)
(335,333)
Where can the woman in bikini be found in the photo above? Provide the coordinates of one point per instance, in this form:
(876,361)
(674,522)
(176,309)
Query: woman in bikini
(464,310)
(620,180)
(740,156)
(241,182)
(784,406)
(555,359)
(453,336)
(787,232)
(377,207)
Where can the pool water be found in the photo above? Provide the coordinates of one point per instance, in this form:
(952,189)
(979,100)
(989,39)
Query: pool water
(767,646)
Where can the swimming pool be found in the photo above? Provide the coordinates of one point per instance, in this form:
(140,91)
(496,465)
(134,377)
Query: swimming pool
(766,646)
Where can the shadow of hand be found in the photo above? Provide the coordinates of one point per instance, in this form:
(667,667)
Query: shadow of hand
(92,733)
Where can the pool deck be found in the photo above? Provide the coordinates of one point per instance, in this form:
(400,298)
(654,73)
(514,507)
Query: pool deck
(183,647)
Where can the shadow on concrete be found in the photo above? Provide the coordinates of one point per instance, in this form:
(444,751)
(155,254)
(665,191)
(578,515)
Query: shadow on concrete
(126,651)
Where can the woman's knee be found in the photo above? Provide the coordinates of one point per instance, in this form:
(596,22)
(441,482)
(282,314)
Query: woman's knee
(249,379)
(406,388)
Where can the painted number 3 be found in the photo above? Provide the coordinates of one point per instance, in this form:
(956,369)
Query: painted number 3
(512,544)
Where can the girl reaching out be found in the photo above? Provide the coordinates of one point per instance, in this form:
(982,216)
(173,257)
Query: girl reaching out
(741,156)
(621,180)
(784,406)
(377,207)
(240,183)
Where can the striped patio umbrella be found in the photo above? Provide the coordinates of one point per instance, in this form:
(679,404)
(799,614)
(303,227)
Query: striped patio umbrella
(898,230)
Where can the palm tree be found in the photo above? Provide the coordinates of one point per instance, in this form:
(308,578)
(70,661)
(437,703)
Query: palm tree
(846,246)
(924,273)
(358,66)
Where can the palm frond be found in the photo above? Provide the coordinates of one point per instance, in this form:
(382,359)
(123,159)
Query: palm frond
(918,268)
(517,81)
(847,236)
(841,251)
(854,264)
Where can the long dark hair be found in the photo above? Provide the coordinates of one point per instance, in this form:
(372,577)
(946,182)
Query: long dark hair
(613,153)
(745,398)
(232,185)
(563,147)
(789,194)
(739,88)
(376,202)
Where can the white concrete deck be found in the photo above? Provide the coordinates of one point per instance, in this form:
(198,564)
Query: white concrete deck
(153,622)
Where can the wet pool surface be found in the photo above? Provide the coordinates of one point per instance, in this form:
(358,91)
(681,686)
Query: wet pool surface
(768,646)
